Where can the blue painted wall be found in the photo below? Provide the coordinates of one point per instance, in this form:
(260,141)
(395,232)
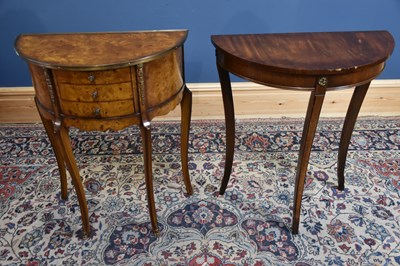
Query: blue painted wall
(202,18)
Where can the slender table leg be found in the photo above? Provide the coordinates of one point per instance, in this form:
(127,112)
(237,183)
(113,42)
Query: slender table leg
(348,126)
(229,124)
(186,113)
(148,172)
(57,148)
(63,137)
(310,126)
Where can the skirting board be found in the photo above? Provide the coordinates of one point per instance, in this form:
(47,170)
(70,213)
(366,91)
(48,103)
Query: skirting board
(250,100)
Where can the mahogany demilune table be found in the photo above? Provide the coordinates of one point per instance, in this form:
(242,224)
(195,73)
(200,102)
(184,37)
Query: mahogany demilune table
(316,62)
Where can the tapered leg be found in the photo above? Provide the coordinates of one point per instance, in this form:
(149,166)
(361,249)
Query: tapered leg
(229,124)
(148,172)
(348,126)
(186,113)
(63,136)
(57,148)
(310,126)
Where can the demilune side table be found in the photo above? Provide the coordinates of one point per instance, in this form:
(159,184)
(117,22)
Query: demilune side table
(316,62)
(107,81)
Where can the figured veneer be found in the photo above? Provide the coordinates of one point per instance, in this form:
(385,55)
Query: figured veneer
(102,81)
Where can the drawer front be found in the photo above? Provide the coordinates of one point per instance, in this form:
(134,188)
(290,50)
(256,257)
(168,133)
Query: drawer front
(120,75)
(95,93)
(98,110)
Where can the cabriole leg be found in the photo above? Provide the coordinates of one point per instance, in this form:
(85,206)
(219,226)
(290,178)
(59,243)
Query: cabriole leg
(348,126)
(310,126)
(147,154)
(186,113)
(63,136)
(229,124)
(57,148)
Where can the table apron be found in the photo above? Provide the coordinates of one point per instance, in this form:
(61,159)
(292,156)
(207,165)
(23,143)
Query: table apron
(297,81)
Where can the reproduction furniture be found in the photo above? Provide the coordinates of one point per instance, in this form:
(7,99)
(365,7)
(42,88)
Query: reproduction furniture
(317,62)
(107,81)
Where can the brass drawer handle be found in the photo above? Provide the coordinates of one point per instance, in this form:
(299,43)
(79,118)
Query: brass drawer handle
(96,112)
(95,95)
(91,78)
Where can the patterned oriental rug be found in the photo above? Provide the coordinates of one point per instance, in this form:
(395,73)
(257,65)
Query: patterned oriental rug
(249,225)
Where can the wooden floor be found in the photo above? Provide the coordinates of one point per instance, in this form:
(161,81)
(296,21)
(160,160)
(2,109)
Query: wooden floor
(251,101)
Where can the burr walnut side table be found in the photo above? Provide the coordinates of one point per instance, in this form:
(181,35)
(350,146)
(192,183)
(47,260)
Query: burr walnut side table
(316,62)
(102,81)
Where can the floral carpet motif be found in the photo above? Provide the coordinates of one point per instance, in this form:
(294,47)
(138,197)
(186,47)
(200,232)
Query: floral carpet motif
(202,216)
(248,225)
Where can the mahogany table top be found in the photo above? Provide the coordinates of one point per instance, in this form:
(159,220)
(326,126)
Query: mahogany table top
(315,53)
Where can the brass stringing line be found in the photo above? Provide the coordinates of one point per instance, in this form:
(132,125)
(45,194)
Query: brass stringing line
(49,85)
(139,69)
(57,122)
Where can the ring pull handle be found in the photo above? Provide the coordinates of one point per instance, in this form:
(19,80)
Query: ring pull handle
(95,95)
(91,78)
(97,112)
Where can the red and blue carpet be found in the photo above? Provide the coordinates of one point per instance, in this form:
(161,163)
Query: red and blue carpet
(249,225)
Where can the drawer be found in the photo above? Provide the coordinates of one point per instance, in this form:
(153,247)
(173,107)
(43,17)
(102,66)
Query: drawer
(95,93)
(93,77)
(99,109)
